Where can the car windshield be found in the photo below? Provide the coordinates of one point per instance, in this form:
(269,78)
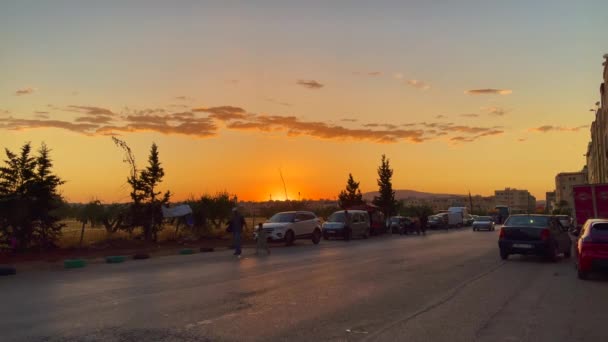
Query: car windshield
(528,221)
(394,219)
(483,218)
(282,217)
(336,217)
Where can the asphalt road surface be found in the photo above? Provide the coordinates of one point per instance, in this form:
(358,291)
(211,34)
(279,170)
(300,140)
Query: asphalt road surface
(441,287)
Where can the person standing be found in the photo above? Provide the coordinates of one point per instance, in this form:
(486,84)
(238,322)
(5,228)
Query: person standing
(235,226)
(347,226)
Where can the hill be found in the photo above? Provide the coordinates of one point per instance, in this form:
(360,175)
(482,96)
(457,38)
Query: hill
(401,194)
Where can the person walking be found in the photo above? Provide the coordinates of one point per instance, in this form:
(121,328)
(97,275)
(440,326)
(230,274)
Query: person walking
(235,226)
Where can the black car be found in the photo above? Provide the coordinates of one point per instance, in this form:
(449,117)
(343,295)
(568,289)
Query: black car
(534,234)
(436,222)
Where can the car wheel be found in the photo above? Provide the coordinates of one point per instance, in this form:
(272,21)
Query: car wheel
(316,237)
(325,236)
(504,255)
(289,238)
(474,229)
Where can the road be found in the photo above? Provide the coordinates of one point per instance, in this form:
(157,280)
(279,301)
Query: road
(440,287)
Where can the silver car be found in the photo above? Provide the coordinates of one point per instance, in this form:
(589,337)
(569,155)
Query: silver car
(335,224)
(483,222)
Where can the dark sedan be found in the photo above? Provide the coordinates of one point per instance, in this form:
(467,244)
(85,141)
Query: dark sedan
(534,234)
(483,222)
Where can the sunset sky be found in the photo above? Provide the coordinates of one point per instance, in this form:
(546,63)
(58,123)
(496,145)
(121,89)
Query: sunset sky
(459,95)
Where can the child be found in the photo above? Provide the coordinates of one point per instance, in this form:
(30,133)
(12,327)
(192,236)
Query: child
(262,242)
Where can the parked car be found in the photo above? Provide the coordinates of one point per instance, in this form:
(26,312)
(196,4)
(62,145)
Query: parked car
(402,225)
(436,222)
(592,247)
(359,225)
(534,234)
(483,222)
(293,225)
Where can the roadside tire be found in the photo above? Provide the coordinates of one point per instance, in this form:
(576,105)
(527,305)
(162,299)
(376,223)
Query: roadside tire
(289,238)
(504,255)
(7,270)
(206,249)
(316,237)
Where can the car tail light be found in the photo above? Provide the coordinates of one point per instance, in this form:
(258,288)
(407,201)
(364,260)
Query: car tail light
(501,235)
(545,234)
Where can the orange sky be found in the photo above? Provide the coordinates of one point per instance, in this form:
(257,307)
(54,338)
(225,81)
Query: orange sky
(458,100)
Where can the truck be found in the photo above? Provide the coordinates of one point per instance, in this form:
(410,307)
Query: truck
(590,201)
(457,215)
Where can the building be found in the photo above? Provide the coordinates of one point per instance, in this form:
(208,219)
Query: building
(563,187)
(549,201)
(519,201)
(597,149)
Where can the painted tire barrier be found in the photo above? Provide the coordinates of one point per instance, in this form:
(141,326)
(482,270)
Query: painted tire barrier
(141,256)
(115,259)
(206,249)
(186,251)
(7,270)
(74,263)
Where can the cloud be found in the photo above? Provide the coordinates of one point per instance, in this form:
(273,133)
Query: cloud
(90,110)
(470,115)
(5,111)
(24,91)
(234,82)
(370,73)
(223,113)
(419,84)
(497,111)
(550,128)
(488,91)
(206,122)
(101,119)
(521,139)
(183,98)
(24,124)
(310,84)
(398,76)
(286,104)
(440,117)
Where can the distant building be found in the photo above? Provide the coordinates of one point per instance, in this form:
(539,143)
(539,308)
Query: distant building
(519,201)
(563,186)
(549,201)
(597,149)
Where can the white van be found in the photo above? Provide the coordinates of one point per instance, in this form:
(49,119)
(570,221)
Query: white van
(359,225)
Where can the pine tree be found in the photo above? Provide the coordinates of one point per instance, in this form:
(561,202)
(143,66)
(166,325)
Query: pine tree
(386,200)
(351,196)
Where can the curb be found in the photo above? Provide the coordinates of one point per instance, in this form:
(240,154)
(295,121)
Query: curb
(115,259)
(74,263)
(7,270)
(186,251)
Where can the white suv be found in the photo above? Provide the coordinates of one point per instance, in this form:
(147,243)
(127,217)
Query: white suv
(291,225)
